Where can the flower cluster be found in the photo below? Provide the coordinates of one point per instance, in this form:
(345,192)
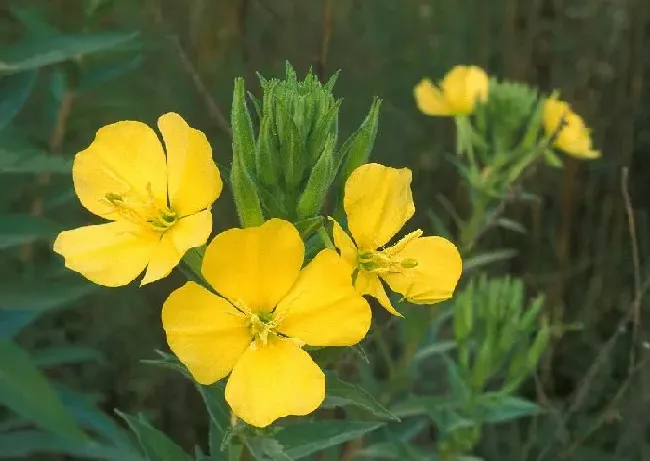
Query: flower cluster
(466,87)
(261,301)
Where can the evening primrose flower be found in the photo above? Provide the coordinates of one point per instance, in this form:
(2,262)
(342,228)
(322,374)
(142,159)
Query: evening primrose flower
(269,309)
(458,93)
(158,207)
(569,130)
(378,202)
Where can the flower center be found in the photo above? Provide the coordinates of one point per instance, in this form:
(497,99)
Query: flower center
(261,326)
(142,211)
(388,259)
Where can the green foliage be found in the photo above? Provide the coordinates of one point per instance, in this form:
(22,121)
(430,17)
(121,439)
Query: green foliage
(571,244)
(26,391)
(155,445)
(37,52)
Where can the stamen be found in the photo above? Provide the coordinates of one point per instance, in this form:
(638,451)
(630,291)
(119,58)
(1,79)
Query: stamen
(388,259)
(145,212)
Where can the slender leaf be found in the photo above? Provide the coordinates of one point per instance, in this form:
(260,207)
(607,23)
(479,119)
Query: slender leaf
(155,444)
(63,355)
(14,92)
(340,393)
(484,259)
(27,160)
(12,321)
(433,349)
(17,229)
(496,408)
(43,295)
(31,443)
(88,415)
(35,52)
(266,449)
(302,440)
(26,391)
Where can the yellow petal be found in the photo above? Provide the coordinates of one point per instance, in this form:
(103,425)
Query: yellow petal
(571,134)
(189,232)
(369,284)
(273,381)
(437,272)
(344,244)
(322,308)
(378,202)
(256,266)
(125,158)
(463,86)
(205,332)
(194,180)
(430,100)
(110,254)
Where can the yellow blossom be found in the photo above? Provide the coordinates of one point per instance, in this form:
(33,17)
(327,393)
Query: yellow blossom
(269,309)
(159,206)
(378,202)
(457,94)
(571,134)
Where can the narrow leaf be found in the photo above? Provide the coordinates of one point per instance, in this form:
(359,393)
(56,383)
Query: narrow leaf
(25,390)
(14,92)
(304,439)
(339,393)
(18,229)
(35,52)
(155,444)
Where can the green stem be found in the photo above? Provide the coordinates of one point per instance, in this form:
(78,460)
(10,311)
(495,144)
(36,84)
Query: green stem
(472,228)
(245,454)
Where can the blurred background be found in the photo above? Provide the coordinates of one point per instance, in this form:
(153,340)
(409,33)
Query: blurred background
(68,67)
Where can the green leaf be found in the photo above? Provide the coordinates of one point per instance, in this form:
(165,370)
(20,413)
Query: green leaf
(25,390)
(484,259)
(11,321)
(245,194)
(433,349)
(14,92)
(156,445)
(45,294)
(36,52)
(510,224)
(266,449)
(215,402)
(302,440)
(31,443)
(62,355)
(170,362)
(497,408)
(27,160)
(86,413)
(97,75)
(18,229)
(213,397)
(339,393)
(243,137)
(356,150)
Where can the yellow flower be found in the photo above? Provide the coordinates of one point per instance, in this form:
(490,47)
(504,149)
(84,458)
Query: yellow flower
(378,202)
(158,207)
(457,94)
(270,307)
(571,134)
